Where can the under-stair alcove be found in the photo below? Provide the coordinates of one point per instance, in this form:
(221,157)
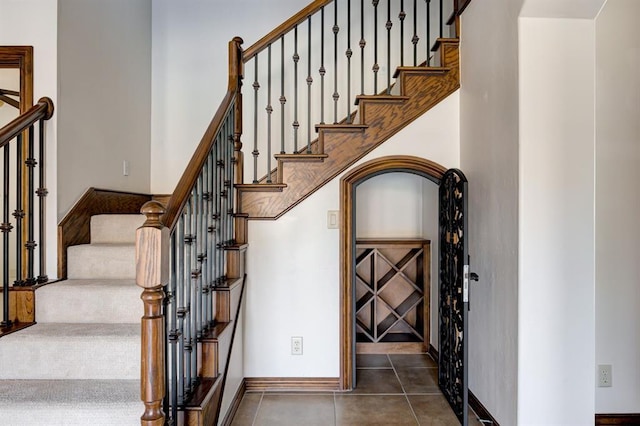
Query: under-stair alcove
(396,229)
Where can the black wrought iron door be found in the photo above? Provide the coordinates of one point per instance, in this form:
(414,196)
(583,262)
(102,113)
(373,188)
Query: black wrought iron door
(454,290)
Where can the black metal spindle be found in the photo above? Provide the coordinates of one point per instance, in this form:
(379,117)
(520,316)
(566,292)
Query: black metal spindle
(283,99)
(6,228)
(415,38)
(296,58)
(388,26)
(322,69)
(362,45)
(30,244)
(18,213)
(42,197)
(197,272)
(181,309)
(309,83)
(173,335)
(336,30)
(255,152)
(220,210)
(401,17)
(205,237)
(187,330)
(211,228)
(428,45)
(441,18)
(348,54)
(376,67)
(269,110)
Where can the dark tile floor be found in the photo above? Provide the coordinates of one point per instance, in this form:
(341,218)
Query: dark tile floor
(391,390)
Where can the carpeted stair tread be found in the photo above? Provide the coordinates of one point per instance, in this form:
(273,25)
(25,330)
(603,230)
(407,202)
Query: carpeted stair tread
(92,261)
(72,351)
(89,301)
(115,228)
(70,402)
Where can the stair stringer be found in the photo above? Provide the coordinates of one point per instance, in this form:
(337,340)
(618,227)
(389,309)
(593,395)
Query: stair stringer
(421,88)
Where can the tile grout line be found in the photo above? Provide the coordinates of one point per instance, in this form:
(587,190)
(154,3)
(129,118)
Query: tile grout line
(404,392)
(255,416)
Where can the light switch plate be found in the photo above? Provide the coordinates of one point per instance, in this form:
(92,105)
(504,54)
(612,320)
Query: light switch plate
(333,219)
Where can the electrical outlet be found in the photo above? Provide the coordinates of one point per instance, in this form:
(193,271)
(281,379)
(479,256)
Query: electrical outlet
(296,345)
(605,378)
(333,221)
(125,168)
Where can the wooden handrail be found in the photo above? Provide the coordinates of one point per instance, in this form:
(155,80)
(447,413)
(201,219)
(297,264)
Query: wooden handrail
(189,178)
(42,110)
(284,28)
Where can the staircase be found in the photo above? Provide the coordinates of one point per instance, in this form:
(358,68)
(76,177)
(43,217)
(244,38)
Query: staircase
(80,364)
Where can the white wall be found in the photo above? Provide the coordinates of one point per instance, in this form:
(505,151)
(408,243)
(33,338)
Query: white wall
(489,159)
(34,23)
(104,111)
(190,57)
(617,204)
(293,263)
(556,316)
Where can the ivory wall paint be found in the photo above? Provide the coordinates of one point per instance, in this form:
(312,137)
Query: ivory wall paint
(617,204)
(104,107)
(556,300)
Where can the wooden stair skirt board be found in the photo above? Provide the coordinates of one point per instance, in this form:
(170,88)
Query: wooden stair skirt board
(421,89)
(74,228)
(392,292)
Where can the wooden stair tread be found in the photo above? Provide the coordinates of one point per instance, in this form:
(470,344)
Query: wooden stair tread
(214,333)
(301,157)
(229,284)
(381,98)
(203,392)
(444,40)
(342,127)
(260,187)
(236,247)
(422,70)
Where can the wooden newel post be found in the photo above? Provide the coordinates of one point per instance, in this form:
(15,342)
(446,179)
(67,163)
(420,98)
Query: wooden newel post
(152,273)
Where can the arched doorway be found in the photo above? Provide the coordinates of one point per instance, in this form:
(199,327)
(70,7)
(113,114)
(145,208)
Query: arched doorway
(453,256)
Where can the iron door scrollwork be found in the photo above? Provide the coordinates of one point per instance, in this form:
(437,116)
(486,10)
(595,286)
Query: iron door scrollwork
(453,299)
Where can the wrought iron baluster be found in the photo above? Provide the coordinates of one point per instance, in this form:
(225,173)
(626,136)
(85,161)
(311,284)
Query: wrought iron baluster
(388,26)
(428,45)
(211,236)
(30,244)
(322,69)
(181,309)
(220,211)
(188,331)
(309,83)
(401,16)
(198,191)
(441,19)
(18,213)
(204,238)
(348,54)
(269,110)
(42,197)
(376,67)
(415,38)
(173,333)
(283,99)
(255,152)
(336,96)
(296,58)
(6,228)
(194,291)
(362,44)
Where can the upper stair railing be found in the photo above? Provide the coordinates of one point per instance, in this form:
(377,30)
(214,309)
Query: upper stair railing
(23,218)
(181,260)
(310,70)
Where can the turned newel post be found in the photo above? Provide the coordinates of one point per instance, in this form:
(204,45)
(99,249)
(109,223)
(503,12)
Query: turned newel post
(152,273)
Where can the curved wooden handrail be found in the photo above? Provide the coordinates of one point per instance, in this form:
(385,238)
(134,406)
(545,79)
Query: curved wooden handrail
(189,178)
(43,110)
(284,28)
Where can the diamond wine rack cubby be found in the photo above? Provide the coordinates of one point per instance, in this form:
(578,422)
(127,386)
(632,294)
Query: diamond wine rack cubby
(392,295)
